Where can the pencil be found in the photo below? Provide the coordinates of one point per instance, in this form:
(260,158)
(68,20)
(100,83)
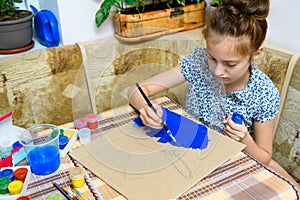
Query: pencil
(62,191)
(163,123)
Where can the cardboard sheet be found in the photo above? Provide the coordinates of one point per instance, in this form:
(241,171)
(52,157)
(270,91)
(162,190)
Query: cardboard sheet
(139,167)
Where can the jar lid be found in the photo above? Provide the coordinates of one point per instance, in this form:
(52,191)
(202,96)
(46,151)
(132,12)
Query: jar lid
(23,198)
(54,196)
(16,144)
(15,187)
(69,133)
(20,172)
(84,132)
(63,141)
(76,173)
(80,123)
(55,133)
(237,118)
(91,117)
(7,173)
(4,181)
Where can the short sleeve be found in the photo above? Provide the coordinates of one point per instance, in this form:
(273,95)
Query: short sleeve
(190,66)
(269,104)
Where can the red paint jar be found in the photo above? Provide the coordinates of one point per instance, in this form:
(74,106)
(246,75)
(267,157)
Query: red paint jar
(23,198)
(92,121)
(80,123)
(20,174)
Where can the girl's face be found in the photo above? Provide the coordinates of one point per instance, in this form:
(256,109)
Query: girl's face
(229,67)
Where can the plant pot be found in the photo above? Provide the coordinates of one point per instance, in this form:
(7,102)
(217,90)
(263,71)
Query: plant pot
(16,34)
(148,25)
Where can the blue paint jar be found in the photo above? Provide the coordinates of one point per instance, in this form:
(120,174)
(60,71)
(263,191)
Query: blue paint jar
(63,141)
(237,118)
(8,173)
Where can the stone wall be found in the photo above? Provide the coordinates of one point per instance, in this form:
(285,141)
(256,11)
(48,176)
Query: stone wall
(37,86)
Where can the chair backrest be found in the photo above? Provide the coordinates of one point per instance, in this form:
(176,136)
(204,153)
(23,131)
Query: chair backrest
(286,143)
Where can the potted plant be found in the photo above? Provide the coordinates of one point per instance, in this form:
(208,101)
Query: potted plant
(215,3)
(138,20)
(16,30)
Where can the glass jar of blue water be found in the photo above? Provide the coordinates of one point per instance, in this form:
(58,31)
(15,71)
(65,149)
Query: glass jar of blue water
(41,143)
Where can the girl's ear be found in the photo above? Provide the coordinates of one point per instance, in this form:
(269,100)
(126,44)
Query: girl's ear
(257,54)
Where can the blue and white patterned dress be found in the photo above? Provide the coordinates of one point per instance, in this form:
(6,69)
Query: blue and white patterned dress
(258,101)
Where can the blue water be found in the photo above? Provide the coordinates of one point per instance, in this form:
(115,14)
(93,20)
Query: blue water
(44,160)
(188,134)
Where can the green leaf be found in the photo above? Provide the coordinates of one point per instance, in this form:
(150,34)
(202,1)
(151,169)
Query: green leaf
(181,2)
(131,2)
(103,12)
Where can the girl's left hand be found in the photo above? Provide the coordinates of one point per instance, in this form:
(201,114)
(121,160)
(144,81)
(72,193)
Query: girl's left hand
(235,131)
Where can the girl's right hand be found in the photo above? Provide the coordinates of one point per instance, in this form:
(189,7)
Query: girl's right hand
(150,118)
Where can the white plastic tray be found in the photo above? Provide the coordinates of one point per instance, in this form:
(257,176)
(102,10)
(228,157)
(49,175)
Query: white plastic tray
(25,184)
(63,152)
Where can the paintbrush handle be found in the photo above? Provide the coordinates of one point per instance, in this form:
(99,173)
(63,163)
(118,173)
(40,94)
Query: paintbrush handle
(163,123)
(62,191)
(146,98)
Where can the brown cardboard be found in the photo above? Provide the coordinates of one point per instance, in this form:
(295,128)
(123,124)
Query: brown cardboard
(139,167)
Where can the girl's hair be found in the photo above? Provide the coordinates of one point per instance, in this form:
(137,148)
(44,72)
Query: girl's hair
(241,19)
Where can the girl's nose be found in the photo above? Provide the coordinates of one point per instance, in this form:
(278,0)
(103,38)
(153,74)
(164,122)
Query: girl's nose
(219,69)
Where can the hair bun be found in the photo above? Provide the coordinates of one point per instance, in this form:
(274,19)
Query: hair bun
(256,8)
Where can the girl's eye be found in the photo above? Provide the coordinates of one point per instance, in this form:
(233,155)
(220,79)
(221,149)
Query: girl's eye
(231,65)
(211,58)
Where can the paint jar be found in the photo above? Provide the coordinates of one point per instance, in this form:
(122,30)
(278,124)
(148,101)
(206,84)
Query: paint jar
(84,136)
(20,174)
(80,123)
(237,118)
(63,141)
(4,181)
(23,198)
(54,133)
(9,173)
(16,144)
(15,187)
(54,196)
(69,133)
(77,177)
(42,150)
(92,121)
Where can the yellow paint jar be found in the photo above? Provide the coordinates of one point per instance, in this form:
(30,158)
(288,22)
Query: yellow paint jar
(77,177)
(15,187)
(69,133)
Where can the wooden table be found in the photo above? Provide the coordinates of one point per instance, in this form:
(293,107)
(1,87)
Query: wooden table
(241,177)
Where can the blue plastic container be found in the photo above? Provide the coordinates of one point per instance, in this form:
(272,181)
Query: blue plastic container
(44,160)
(41,148)
(237,118)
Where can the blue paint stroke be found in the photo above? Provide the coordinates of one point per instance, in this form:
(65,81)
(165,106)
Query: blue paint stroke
(187,133)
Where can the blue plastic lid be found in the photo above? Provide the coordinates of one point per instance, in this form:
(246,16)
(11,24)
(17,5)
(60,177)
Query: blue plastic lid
(7,173)
(237,118)
(63,141)
(46,27)
(16,144)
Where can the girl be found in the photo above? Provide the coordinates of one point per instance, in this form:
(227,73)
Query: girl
(234,36)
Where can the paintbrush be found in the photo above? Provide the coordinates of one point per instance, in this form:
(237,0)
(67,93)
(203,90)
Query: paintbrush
(163,123)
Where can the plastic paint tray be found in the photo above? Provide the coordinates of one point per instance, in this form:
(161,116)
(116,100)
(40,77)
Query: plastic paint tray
(25,184)
(63,152)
